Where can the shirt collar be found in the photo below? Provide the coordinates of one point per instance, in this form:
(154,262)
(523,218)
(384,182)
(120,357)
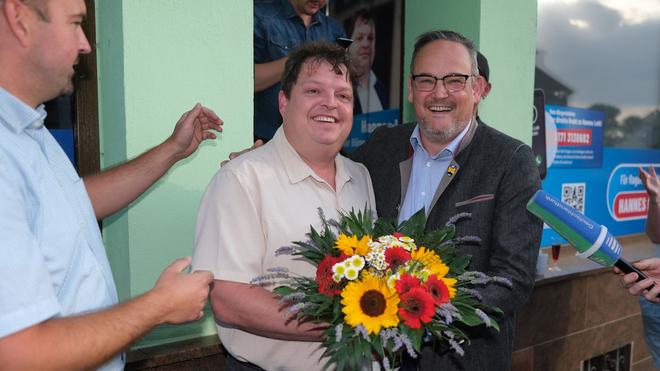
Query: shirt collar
(297,170)
(17,115)
(451,148)
(290,12)
(372,78)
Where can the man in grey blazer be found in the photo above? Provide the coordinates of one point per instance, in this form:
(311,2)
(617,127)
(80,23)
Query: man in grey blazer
(449,162)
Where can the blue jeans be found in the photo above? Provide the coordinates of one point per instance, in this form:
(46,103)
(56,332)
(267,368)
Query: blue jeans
(651,319)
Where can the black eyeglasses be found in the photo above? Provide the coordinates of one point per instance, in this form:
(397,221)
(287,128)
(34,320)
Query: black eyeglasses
(453,82)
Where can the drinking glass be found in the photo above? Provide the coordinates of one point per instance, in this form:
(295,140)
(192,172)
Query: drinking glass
(553,266)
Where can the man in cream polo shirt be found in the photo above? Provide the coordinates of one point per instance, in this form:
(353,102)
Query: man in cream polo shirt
(268,198)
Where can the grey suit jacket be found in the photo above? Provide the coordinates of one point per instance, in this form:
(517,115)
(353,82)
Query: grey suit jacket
(496,176)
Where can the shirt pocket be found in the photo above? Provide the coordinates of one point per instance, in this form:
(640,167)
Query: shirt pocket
(281,45)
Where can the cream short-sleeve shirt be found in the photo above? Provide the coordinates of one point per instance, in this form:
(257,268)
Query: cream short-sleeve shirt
(254,205)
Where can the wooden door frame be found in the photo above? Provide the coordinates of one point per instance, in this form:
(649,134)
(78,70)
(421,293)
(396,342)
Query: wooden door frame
(86,121)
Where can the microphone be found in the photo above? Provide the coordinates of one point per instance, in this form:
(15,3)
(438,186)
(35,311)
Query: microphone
(592,240)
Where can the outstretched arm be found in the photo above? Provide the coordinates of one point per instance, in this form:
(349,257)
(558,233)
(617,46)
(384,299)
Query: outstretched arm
(268,74)
(652,185)
(129,180)
(87,341)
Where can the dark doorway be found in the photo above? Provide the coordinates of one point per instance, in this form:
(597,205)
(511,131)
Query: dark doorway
(73,120)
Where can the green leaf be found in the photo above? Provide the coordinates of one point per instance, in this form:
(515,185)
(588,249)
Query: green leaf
(384,227)
(283,290)
(469,317)
(415,226)
(458,265)
(377,345)
(436,237)
(414,335)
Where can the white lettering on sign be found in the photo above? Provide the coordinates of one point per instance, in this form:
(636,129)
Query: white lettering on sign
(632,205)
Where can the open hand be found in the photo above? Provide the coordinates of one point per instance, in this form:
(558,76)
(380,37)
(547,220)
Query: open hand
(257,143)
(192,128)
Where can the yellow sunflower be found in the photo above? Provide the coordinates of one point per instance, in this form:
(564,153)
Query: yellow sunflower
(431,261)
(351,245)
(370,303)
(439,269)
(362,247)
(449,282)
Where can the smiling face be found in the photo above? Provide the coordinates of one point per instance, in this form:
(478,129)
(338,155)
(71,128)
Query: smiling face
(319,111)
(56,46)
(442,115)
(362,49)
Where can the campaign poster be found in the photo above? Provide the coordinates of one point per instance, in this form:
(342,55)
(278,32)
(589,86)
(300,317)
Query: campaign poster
(376,55)
(612,195)
(576,136)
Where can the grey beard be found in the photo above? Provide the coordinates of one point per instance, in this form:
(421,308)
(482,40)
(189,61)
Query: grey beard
(442,136)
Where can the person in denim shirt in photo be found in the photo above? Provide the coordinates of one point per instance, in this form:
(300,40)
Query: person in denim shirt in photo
(279,27)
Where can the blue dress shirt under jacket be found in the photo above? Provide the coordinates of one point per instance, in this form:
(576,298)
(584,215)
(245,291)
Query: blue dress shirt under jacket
(426,174)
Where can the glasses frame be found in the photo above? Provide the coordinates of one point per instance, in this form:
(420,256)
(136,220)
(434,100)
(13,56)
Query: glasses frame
(444,85)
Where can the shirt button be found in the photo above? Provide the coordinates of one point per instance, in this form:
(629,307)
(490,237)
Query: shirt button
(423,193)
(428,164)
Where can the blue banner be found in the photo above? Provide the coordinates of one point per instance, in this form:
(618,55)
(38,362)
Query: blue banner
(365,124)
(612,195)
(576,136)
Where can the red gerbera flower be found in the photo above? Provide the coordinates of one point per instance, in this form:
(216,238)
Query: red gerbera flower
(327,285)
(396,256)
(397,235)
(406,282)
(438,290)
(416,307)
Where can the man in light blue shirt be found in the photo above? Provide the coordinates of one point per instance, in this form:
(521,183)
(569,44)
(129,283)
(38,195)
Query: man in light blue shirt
(58,303)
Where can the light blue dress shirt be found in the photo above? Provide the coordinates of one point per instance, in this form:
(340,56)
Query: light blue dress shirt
(426,174)
(52,259)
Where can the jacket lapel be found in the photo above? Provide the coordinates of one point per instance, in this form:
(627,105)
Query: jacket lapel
(405,168)
(454,167)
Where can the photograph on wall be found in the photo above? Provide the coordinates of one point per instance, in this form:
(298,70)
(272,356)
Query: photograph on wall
(375,28)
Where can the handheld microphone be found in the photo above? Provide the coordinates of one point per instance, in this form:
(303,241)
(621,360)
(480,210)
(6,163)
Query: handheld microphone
(590,239)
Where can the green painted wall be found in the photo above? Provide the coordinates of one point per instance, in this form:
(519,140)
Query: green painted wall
(157,58)
(422,16)
(508,40)
(505,31)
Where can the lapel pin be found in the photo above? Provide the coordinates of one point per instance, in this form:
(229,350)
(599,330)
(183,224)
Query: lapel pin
(451,170)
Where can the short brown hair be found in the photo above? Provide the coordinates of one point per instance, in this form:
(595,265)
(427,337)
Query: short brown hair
(363,15)
(456,37)
(315,52)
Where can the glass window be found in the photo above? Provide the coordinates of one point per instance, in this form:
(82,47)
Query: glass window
(604,55)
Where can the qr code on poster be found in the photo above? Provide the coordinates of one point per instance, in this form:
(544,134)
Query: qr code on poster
(573,195)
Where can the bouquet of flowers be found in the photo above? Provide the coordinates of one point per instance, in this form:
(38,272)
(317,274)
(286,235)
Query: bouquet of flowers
(383,289)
